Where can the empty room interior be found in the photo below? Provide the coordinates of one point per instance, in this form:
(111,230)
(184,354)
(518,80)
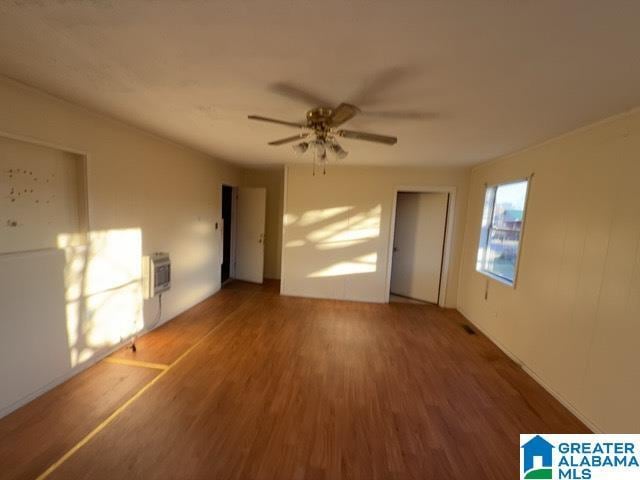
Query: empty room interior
(336,240)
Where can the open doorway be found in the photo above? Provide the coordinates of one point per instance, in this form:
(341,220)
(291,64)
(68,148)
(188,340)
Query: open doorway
(227,220)
(419,246)
(243,215)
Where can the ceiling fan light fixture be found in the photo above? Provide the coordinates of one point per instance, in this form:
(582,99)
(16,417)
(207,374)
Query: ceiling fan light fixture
(320,148)
(301,147)
(338,151)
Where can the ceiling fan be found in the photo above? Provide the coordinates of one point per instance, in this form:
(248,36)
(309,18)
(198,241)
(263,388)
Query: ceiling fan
(321,124)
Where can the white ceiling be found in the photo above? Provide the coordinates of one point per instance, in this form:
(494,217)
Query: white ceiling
(479,78)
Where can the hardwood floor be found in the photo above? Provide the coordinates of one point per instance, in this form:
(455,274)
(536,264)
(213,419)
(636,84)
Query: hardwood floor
(36,435)
(268,387)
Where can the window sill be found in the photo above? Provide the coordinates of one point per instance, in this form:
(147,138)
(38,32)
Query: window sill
(504,281)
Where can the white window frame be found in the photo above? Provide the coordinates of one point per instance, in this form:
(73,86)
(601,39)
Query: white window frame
(485,232)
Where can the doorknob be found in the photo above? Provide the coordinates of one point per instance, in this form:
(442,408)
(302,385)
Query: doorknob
(261,238)
(395,249)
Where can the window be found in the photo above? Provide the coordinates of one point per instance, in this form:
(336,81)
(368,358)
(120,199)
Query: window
(501,232)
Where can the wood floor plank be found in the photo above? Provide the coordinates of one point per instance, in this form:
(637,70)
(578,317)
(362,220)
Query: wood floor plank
(167,342)
(36,435)
(300,388)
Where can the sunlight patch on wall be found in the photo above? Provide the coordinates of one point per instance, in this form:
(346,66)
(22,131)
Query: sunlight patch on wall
(114,315)
(295,243)
(103,289)
(289,219)
(363,264)
(314,216)
(326,245)
(352,230)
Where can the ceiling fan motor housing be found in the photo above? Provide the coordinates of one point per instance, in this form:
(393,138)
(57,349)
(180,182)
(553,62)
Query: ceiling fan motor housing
(318,119)
(319,116)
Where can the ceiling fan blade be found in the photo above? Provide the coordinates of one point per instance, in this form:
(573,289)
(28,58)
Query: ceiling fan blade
(381,83)
(343,113)
(369,137)
(273,120)
(289,139)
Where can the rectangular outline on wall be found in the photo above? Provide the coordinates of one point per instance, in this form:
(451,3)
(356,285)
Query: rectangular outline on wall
(83,183)
(84,204)
(446,255)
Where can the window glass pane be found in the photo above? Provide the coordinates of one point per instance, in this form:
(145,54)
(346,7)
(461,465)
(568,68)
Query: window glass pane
(487,213)
(489,198)
(501,226)
(509,205)
(502,252)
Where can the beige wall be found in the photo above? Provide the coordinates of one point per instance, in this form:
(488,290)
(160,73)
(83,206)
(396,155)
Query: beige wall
(273,180)
(573,319)
(145,194)
(336,237)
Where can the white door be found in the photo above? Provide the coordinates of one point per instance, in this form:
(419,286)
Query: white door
(418,245)
(250,215)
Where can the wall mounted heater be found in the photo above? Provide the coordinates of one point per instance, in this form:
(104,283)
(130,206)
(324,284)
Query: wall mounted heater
(157,274)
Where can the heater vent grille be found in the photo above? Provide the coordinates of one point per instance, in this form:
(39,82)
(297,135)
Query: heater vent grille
(157,274)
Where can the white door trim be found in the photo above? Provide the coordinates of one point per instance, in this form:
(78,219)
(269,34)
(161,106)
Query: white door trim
(283,252)
(448,236)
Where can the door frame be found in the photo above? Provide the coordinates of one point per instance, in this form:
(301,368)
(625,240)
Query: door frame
(232,252)
(283,236)
(448,235)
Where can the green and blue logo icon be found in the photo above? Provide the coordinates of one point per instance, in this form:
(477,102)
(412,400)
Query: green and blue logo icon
(537,459)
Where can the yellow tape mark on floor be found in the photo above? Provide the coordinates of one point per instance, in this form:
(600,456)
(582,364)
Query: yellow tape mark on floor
(124,406)
(136,363)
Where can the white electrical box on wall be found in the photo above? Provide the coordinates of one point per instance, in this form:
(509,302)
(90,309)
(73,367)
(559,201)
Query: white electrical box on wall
(156,270)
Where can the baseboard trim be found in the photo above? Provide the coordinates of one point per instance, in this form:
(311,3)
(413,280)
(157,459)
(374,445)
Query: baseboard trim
(538,379)
(320,297)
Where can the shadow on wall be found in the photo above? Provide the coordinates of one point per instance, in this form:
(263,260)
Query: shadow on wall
(103,290)
(329,248)
(62,306)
